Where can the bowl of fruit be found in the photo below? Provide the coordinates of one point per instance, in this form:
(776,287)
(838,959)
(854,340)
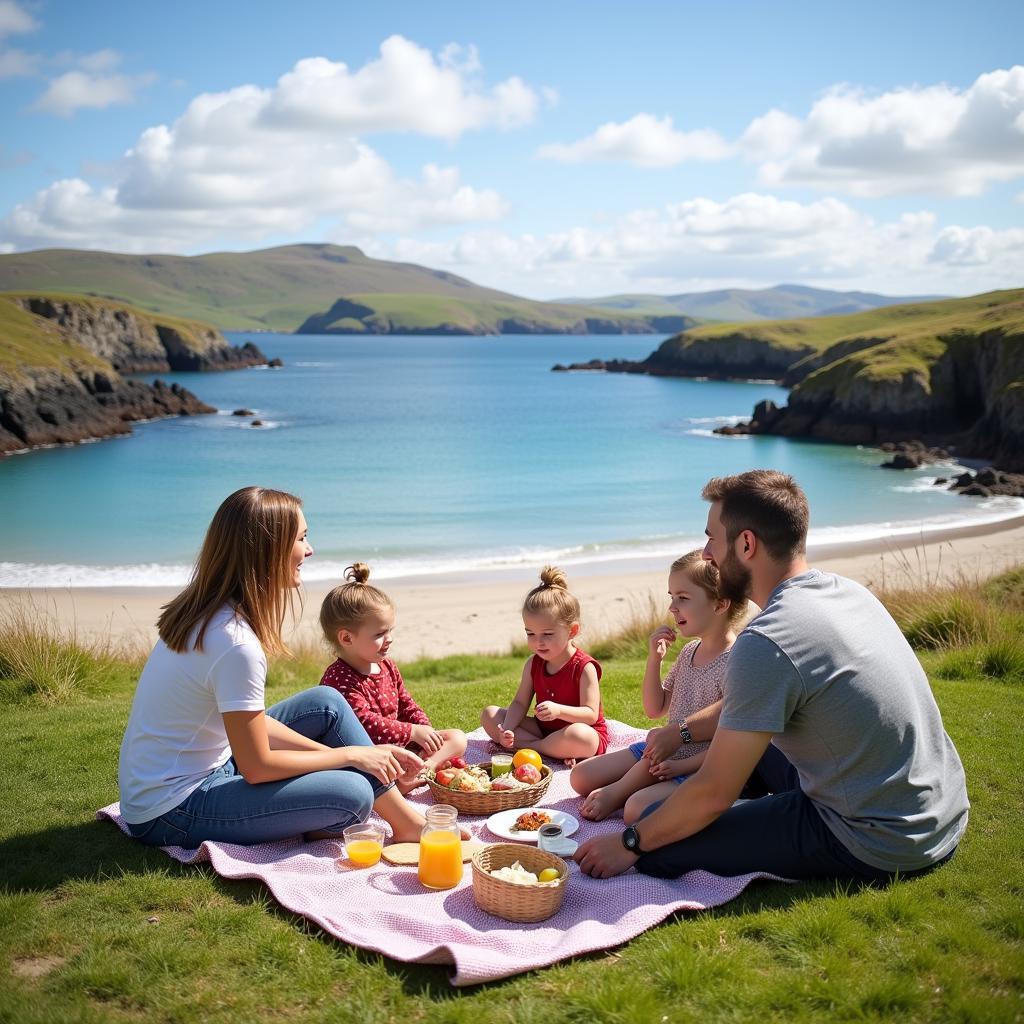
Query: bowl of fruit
(474,789)
(519,883)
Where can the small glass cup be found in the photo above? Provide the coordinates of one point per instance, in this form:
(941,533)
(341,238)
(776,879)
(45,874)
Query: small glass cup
(501,764)
(550,838)
(363,844)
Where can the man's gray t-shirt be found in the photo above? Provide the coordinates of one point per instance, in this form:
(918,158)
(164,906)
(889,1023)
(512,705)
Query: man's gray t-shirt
(826,669)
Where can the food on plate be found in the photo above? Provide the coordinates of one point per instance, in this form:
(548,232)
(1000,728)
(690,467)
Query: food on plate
(530,821)
(515,872)
(527,773)
(526,756)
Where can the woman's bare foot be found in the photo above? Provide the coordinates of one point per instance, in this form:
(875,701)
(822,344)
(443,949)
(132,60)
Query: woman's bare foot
(600,803)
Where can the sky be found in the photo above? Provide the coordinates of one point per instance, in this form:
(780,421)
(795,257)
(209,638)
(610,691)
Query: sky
(550,149)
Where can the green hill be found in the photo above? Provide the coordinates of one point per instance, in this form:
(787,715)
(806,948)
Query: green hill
(784,301)
(281,289)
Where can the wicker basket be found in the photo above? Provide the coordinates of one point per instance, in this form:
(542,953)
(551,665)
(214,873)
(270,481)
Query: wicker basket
(513,901)
(489,803)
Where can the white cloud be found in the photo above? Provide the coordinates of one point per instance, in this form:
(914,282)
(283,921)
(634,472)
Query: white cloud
(644,140)
(405,89)
(922,139)
(101,60)
(18,64)
(15,20)
(234,166)
(77,90)
(750,240)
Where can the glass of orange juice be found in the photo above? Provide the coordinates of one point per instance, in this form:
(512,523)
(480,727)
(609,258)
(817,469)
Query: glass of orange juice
(363,844)
(441,849)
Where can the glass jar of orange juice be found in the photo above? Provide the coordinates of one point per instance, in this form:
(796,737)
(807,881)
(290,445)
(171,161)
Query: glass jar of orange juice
(441,848)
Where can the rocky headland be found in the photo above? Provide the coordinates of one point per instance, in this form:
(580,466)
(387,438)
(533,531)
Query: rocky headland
(947,374)
(62,361)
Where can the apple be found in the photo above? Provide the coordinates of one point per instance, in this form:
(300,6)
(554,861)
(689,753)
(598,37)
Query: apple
(527,773)
(445,776)
(501,785)
(458,762)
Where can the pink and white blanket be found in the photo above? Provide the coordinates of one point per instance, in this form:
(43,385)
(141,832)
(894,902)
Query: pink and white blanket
(385,908)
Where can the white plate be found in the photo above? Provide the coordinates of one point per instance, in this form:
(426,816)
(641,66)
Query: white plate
(501,823)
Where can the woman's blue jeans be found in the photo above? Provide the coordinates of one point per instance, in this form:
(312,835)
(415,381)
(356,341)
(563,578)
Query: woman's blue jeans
(225,808)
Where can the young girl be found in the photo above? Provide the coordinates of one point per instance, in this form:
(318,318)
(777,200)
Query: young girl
(357,619)
(569,722)
(645,773)
(202,758)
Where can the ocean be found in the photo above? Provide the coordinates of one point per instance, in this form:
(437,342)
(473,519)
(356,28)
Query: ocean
(429,455)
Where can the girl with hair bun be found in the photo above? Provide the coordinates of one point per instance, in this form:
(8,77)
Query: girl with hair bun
(568,721)
(357,619)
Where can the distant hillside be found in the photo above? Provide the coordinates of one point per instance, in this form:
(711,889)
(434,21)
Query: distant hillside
(298,286)
(62,360)
(785,301)
(949,372)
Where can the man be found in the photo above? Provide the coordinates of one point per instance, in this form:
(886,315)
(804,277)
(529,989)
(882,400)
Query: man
(825,707)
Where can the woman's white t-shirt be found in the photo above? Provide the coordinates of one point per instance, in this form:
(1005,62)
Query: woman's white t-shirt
(175,735)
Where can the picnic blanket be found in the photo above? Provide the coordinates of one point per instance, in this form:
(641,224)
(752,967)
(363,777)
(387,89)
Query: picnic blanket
(385,908)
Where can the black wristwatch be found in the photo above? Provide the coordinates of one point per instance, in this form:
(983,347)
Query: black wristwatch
(684,733)
(631,839)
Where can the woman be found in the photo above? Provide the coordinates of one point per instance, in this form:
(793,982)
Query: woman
(201,757)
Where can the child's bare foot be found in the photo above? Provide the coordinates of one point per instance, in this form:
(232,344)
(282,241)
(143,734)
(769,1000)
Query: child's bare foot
(406,787)
(600,803)
(569,762)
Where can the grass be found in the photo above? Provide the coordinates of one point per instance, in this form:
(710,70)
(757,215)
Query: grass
(94,927)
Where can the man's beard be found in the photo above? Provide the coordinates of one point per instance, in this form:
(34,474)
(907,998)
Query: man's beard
(733,579)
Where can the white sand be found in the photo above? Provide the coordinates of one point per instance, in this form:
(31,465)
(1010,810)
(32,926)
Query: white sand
(448,615)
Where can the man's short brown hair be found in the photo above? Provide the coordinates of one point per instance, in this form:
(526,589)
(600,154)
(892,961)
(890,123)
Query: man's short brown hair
(770,504)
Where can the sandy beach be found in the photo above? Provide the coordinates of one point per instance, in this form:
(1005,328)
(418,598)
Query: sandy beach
(464,614)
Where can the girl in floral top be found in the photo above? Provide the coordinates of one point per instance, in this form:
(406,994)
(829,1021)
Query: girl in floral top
(644,773)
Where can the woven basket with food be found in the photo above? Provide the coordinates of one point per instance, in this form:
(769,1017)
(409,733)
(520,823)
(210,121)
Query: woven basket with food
(472,790)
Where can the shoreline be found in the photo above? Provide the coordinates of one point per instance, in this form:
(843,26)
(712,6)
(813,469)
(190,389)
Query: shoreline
(467,613)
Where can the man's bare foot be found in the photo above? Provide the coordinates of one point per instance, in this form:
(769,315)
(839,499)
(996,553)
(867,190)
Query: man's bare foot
(600,803)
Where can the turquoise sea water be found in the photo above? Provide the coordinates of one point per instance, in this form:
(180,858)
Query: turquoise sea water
(424,455)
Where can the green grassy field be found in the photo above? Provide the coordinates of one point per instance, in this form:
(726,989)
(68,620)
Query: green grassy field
(94,927)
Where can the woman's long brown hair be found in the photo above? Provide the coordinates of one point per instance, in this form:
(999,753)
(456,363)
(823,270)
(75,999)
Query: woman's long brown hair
(244,562)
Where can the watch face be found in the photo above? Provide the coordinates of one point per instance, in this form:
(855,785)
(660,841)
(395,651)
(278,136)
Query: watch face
(630,839)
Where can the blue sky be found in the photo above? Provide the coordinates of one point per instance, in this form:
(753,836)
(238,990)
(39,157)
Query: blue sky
(549,149)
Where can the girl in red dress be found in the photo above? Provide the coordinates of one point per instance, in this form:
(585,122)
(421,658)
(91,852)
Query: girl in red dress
(568,721)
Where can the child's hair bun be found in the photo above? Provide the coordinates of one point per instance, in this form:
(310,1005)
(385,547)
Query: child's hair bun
(552,576)
(357,573)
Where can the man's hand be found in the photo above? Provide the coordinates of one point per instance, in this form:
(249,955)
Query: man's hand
(662,743)
(548,710)
(604,857)
(428,738)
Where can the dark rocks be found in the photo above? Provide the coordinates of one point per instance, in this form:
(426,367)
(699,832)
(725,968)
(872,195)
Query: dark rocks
(243,412)
(256,423)
(939,480)
(912,454)
(48,406)
(275,363)
(559,368)
(989,482)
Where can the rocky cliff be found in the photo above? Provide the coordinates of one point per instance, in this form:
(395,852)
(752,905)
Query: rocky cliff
(62,360)
(135,342)
(948,373)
